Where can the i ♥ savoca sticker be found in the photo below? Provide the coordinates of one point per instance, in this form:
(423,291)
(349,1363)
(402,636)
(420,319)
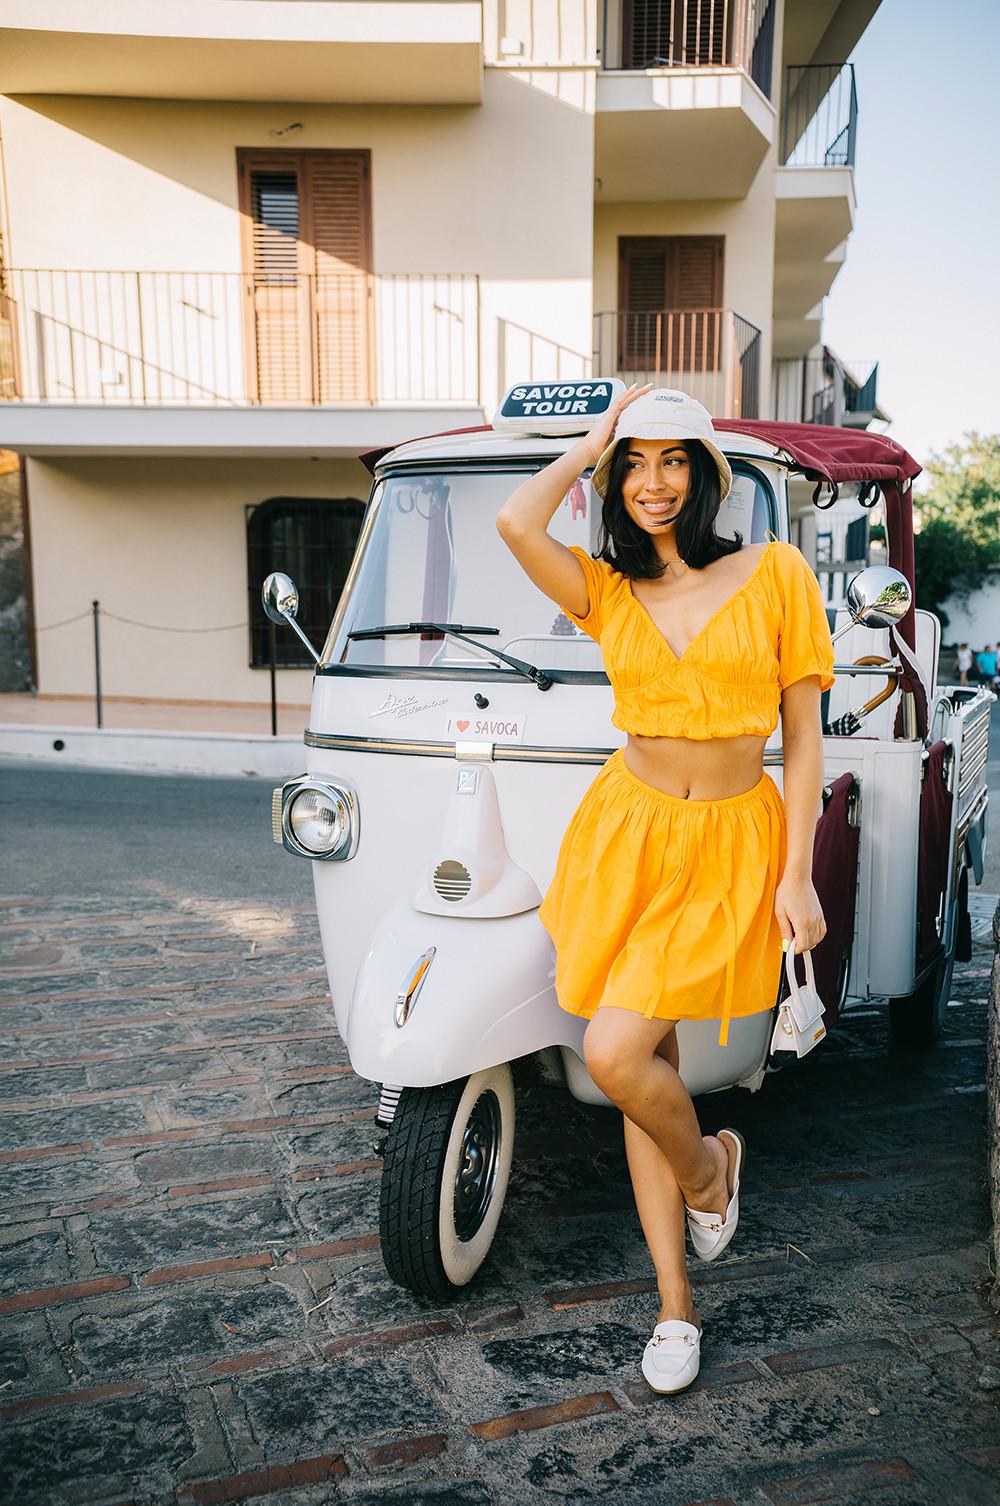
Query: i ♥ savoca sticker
(485,728)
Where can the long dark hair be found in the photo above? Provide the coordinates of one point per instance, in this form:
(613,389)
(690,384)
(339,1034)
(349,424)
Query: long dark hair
(631,551)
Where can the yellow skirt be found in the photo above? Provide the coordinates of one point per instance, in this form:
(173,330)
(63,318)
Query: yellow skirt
(663,905)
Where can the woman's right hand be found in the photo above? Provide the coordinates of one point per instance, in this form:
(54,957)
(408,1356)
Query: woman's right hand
(597,439)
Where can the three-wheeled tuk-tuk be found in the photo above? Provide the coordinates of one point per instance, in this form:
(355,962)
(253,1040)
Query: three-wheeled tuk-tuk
(457,717)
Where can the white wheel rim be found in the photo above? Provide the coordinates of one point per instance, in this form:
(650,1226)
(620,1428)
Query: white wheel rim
(477,1167)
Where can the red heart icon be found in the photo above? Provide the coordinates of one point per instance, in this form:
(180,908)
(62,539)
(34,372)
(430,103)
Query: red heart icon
(461,726)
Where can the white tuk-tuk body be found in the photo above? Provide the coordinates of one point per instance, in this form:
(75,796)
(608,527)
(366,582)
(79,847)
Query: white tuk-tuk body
(464,776)
(440,780)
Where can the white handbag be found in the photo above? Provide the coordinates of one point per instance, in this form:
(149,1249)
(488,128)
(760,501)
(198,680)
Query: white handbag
(799,1026)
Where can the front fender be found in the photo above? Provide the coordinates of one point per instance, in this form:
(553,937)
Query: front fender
(488,996)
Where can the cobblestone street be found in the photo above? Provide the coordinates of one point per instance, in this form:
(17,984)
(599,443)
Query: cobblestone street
(195,1308)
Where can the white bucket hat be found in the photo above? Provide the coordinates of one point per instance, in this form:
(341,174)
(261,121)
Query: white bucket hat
(664,414)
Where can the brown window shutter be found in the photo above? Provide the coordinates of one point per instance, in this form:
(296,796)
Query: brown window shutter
(670,292)
(339,232)
(697,285)
(307,253)
(643,279)
(279,338)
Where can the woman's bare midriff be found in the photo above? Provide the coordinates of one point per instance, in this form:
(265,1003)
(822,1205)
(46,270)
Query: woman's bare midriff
(696,769)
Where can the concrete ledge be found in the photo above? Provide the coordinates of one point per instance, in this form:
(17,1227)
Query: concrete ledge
(36,427)
(220,753)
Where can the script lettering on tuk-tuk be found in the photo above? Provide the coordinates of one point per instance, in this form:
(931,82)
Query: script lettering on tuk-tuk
(400,705)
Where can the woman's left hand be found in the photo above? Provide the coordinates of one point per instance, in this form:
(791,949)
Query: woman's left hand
(799,913)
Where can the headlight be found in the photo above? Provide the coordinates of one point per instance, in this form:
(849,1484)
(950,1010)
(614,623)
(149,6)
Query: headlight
(319,819)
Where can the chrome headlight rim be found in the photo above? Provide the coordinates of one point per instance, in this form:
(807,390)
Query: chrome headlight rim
(330,789)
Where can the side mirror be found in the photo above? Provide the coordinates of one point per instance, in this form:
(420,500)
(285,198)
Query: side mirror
(280,599)
(877,597)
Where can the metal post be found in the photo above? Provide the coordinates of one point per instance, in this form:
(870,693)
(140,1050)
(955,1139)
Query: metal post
(142,341)
(272,643)
(97,659)
(479,342)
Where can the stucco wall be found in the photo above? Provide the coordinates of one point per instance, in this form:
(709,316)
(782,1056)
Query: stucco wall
(151,185)
(977,621)
(161,542)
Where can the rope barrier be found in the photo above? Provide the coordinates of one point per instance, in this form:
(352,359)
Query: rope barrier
(50,625)
(96,613)
(154,627)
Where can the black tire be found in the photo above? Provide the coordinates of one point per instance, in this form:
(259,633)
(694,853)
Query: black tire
(444,1179)
(918,1018)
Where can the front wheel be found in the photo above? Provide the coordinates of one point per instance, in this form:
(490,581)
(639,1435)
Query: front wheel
(444,1178)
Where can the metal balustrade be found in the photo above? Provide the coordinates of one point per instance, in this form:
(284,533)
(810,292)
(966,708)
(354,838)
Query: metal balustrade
(819,116)
(641,34)
(714,354)
(221,339)
(825,390)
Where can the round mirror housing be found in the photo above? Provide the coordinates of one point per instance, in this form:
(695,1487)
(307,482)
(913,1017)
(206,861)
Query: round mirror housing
(280,597)
(879,596)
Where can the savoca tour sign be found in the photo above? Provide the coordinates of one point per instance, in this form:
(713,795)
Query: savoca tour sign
(556,407)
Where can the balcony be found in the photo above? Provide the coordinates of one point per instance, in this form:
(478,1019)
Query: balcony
(814,192)
(826,390)
(714,354)
(212,361)
(330,51)
(683,98)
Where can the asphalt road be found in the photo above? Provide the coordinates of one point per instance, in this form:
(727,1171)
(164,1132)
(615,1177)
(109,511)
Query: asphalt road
(68,831)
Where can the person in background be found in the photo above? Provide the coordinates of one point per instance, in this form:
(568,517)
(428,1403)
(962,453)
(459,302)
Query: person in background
(986,663)
(963,663)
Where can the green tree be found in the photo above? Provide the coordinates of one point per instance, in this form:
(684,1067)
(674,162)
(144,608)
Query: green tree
(948,563)
(959,537)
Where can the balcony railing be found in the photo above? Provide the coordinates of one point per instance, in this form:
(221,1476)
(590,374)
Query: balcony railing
(714,354)
(825,390)
(640,34)
(819,116)
(221,339)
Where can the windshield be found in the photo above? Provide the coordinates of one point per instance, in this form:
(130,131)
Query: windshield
(432,554)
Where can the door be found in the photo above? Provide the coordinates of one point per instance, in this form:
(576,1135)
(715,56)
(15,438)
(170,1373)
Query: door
(306,224)
(669,297)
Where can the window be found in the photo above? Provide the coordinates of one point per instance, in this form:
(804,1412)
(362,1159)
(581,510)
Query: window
(669,295)
(313,541)
(306,226)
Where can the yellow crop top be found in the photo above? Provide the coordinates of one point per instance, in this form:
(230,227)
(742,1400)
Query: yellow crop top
(728,681)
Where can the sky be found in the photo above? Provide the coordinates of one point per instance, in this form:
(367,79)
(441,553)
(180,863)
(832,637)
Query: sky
(920,290)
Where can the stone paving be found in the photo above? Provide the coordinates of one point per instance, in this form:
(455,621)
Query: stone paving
(194,1307)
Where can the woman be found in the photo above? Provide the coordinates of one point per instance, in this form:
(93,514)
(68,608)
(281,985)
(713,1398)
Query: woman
(683,867)
(963,663)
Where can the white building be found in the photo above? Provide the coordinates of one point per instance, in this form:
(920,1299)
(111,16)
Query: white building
(245,240)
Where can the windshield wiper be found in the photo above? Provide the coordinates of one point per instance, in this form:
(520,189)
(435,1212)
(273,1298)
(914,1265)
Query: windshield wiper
(457,630)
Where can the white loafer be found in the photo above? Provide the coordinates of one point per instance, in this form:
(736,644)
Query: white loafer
(672,1356)
(710,1233)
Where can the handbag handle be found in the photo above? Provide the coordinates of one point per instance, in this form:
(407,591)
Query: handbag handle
(793,982)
